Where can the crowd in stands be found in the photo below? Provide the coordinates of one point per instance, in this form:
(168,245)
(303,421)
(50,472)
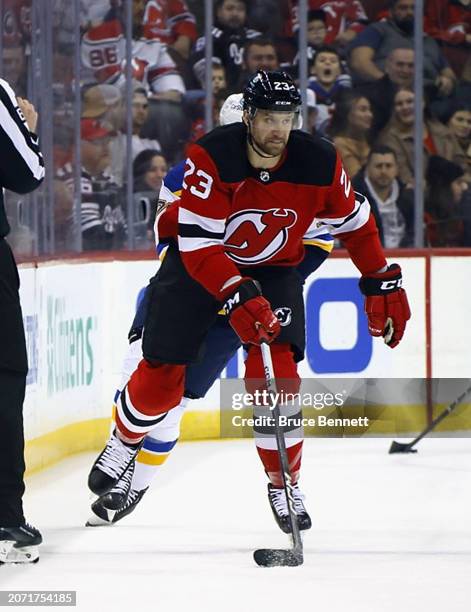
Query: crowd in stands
(360,95)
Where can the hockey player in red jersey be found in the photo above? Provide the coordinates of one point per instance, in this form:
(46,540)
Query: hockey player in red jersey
(251,193)
(220,344)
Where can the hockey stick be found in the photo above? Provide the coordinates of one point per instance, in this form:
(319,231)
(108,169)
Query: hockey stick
(271,557)
(400,447)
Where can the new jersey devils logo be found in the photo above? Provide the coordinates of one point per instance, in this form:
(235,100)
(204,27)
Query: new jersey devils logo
(254,236)
(284,315)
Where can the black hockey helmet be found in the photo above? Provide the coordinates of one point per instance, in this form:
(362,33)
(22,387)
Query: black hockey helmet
(274,90)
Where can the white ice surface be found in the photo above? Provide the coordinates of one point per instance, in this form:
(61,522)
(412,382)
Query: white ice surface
(390,533)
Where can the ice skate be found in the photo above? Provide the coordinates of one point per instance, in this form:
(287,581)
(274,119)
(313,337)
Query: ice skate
(111,464)
(103,515)
(19,544)
(117,496)
(279,506)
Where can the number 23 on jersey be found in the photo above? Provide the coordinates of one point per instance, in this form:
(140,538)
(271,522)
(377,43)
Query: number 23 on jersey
(202,189)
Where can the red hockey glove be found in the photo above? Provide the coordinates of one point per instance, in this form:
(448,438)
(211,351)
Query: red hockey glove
(250,315)
(386,304)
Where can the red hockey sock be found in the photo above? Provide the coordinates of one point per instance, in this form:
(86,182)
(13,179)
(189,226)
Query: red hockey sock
(271,462)
(151,391)
(286,372)
(287,381)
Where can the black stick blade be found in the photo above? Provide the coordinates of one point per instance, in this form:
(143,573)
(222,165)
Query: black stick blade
(270,557)
(399,447)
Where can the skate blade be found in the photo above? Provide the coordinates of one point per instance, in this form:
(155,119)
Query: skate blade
(10,554)
(5,548)
(97,521)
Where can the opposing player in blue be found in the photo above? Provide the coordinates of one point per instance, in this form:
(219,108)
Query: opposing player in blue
(220,346)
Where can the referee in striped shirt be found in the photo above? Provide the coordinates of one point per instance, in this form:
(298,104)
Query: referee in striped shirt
(22,171)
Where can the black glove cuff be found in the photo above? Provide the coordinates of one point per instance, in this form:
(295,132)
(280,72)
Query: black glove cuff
(387,282)
(247,290)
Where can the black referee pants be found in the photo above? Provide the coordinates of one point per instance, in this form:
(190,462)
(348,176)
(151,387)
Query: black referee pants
(13,370)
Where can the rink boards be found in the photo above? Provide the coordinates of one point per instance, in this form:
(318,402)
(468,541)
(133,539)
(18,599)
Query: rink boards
(77,314)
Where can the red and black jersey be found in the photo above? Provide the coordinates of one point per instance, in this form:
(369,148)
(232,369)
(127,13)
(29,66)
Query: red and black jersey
(166,20)
(340,15)
(448,21)
(233,215)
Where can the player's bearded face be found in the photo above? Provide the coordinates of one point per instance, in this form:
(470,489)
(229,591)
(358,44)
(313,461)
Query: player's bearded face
(270,131)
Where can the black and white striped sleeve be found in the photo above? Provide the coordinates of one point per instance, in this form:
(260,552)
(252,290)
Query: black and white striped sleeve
(338,225)
(21,165)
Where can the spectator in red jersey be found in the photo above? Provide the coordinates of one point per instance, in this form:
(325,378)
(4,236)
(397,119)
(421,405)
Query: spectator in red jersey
(450,24)
(344,19)
(170,22)
(350,129)
(103,54)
